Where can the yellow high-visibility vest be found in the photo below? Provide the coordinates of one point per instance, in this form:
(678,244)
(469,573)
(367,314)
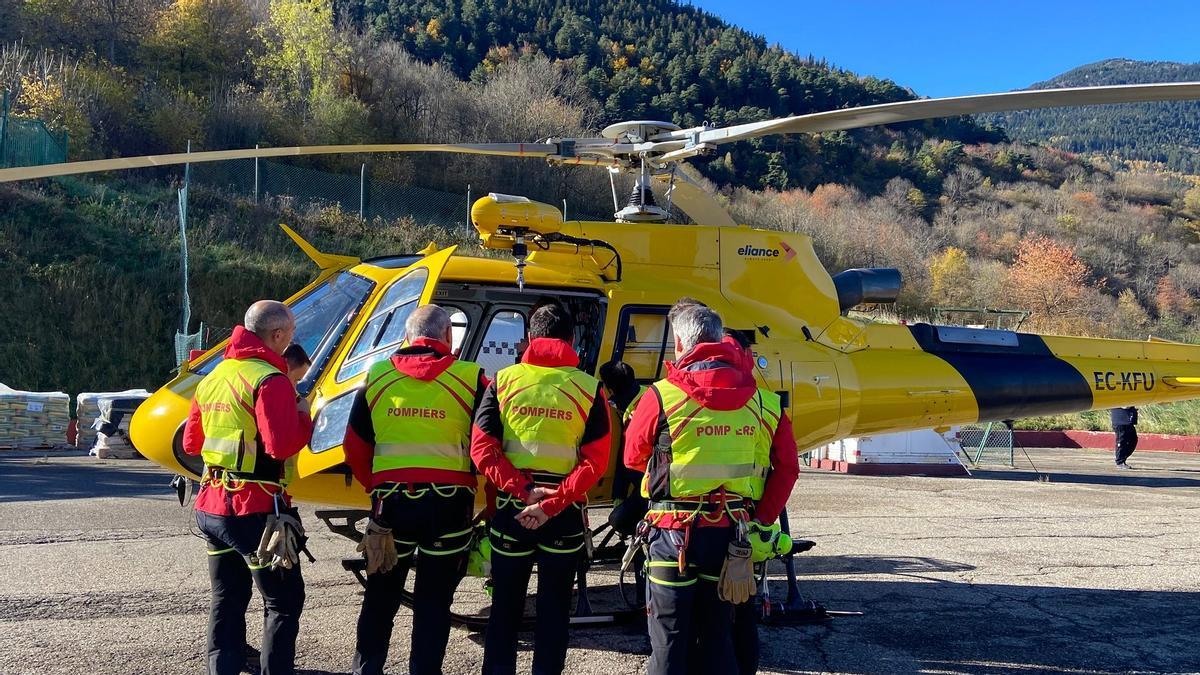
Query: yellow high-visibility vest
(544,412)
(422,424)
(226,399)
(713,449)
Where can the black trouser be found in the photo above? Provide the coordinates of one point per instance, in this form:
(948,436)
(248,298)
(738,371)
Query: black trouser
(745,637)
(1126,441)
(432,525)
(690,627)
(232,567)
(555,547)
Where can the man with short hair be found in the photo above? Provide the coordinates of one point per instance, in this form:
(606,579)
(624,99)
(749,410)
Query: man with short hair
(408,444)
(298,363)
(246,423)
(542,438)
(717,451)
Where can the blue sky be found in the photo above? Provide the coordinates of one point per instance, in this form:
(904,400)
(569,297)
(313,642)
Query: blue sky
(950,48)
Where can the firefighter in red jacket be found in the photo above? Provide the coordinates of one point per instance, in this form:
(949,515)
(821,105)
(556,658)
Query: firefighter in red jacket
(408,443)
(246,423)
(542,438)
(717,451)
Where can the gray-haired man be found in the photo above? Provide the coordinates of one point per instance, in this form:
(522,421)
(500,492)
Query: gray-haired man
(408,444)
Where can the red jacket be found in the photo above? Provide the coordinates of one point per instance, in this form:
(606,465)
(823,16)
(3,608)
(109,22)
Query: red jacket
(488,453)
(284,430)
(424,359)
(717,375)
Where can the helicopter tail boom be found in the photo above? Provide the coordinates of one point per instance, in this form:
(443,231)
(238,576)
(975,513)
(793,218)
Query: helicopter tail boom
(973,375)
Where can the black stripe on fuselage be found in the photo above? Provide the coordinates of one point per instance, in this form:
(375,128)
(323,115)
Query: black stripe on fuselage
(1025,380)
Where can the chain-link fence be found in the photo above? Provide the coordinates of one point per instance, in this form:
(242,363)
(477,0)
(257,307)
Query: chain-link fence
(27,142)
(990,443)
(359,194)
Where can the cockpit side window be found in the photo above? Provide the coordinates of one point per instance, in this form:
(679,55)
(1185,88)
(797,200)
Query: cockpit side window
(384,331)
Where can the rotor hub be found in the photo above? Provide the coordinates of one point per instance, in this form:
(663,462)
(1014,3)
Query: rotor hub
(637,131)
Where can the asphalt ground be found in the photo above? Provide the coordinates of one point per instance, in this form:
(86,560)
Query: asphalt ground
(1094,570)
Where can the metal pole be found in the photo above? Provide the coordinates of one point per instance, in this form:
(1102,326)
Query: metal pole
(3,124)
(468,206)
(362,191)
(256,176)
(564,209)
(186,317)
(983,443)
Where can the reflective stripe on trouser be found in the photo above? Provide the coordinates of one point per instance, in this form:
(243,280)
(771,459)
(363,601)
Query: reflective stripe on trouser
(546,546)
(231,577)
(433,523)
(689,625)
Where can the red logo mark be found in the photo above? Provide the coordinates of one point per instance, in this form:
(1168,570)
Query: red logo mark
(791,253)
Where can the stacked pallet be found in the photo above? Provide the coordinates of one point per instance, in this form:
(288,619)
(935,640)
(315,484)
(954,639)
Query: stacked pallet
(87,409)
(905,453)
(30,419)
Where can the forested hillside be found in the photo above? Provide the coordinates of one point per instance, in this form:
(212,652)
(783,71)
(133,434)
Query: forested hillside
(657,59)
(1156,132)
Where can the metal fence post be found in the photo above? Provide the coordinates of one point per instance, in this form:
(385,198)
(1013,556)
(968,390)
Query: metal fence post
(256,176)
(3,125)
(362,192)
(468,207)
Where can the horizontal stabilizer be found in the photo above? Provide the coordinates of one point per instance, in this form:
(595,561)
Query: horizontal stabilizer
(324,261)
(1183,381)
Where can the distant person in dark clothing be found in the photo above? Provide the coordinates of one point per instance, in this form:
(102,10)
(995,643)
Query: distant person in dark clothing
(1124,424)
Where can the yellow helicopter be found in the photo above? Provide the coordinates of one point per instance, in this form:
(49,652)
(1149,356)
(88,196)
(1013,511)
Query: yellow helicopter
(838,376)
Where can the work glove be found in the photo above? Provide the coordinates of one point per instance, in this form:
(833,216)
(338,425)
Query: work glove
(379,547)
(736,583)
(767,541)
(285,542)
(262,555)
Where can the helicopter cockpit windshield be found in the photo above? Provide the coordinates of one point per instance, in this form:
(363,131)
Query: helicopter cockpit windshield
(322,316)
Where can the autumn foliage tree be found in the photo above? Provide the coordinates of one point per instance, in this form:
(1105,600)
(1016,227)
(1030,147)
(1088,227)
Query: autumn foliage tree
(1049,280)
(950,278)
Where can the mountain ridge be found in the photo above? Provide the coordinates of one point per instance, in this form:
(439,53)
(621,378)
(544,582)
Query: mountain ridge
(1158,132)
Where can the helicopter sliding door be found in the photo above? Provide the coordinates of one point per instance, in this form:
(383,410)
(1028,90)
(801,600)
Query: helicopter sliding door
(377,334)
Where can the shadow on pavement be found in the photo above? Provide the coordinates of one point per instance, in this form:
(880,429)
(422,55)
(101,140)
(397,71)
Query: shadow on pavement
(915,626)
(981,628)
(872,564)
(1151,479)
(29,480)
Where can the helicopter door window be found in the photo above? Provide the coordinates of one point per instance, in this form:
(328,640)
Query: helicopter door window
(499,346)
(460,323)
(644,340)
(385,330)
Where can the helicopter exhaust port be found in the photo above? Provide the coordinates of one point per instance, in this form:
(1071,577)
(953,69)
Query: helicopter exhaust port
(872,284)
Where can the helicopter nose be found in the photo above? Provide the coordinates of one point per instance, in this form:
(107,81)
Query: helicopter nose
(155,431)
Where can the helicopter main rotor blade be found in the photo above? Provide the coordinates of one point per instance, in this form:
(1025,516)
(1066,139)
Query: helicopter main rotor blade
(147,161)
(911,111)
